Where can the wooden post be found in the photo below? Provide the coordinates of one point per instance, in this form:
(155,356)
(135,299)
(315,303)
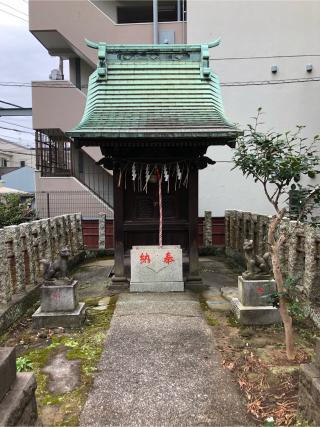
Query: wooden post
(119,274)
(193,274)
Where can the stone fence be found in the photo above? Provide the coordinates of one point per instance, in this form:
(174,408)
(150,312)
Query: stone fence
(300,256)
(23,246)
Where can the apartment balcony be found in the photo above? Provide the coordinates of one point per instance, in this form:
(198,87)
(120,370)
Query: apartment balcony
(61,27)
(56,104)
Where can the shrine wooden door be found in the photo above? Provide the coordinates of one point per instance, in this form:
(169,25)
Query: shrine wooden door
(141,215)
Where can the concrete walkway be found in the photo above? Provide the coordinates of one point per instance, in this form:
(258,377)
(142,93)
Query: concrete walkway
(160,368)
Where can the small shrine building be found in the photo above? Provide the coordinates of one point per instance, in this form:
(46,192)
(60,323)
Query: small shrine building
(154,110)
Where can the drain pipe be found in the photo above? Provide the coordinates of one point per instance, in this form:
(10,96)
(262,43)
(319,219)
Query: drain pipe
(155,22)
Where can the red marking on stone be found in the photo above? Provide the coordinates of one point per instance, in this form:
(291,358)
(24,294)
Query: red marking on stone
(168,258)
(260,291)
(145,258)
(56,295)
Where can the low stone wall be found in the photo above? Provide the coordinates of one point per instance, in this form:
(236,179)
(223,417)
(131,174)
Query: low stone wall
(300,257)
(309,389)
(23,246)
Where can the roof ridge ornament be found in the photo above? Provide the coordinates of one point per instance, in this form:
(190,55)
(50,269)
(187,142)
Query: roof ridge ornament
(215,43)
(205,67)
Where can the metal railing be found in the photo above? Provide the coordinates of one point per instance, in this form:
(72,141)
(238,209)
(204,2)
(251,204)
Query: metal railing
(53,203)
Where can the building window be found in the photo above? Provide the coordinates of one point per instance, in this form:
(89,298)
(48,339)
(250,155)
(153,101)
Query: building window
(22,163)
(134,12)
(3,163)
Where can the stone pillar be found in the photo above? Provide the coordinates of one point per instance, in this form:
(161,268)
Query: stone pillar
(246,225)
(31,255)
(232,230)
(262,234)
(237,231)
(284,251)
(227,230)
(296,254)
(102,231)
(53,239)
(15,254)
(45,247)
(74,236)
(311,282)
(79,232)
(25,250)
(60,236)
(5,282)
(35,231)
(207,229)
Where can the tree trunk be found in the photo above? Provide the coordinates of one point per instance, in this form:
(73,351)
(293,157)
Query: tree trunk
(275,246)
(283,309)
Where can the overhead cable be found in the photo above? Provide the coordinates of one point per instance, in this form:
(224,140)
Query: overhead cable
(13,8)
(16,16)
(16,130)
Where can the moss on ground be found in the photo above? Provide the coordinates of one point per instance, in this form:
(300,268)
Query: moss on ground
(85,345)
(208,314)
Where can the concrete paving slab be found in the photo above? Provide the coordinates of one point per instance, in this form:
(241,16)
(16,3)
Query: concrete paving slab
(64,374)
(161,369)
(219,305)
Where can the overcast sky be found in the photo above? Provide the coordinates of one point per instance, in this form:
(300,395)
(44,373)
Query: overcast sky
(22,59)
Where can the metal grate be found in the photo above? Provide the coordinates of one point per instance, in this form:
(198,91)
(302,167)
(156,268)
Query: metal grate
(53,154)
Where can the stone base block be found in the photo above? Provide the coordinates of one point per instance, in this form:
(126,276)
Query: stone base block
(255,315)
(19,408)
(59,297)
(156,269)
(255,292)
(157,287)
(7,370)
(66,319)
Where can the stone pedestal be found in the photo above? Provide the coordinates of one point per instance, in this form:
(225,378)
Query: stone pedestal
(59,307)
(156,269)
(17,392)
(309,389)
(252,306)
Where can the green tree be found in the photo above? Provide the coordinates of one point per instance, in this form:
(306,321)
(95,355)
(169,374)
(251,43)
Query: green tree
(277,161)
(12,211)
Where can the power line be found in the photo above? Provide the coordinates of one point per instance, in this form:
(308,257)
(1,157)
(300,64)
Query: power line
(9,103)
(271,82)
(232,58)
(5,137)
(16,124)
(13,8)
(239,83)
(16,130)
(16,16)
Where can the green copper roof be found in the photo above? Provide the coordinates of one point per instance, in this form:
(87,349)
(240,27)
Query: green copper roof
(153,91)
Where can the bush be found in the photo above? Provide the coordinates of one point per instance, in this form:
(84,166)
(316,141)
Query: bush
(13,211)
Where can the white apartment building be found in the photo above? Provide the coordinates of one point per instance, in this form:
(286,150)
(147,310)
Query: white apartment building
(13,155)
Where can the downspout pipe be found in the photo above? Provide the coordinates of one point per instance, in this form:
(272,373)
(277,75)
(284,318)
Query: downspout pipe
(155,22)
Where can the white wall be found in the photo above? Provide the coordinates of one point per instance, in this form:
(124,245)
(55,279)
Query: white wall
(250,29)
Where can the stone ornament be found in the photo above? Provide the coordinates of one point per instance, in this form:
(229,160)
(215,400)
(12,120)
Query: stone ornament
(57,269)
(258,267)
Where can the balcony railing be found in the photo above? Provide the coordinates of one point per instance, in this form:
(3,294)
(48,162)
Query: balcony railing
(53,154)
